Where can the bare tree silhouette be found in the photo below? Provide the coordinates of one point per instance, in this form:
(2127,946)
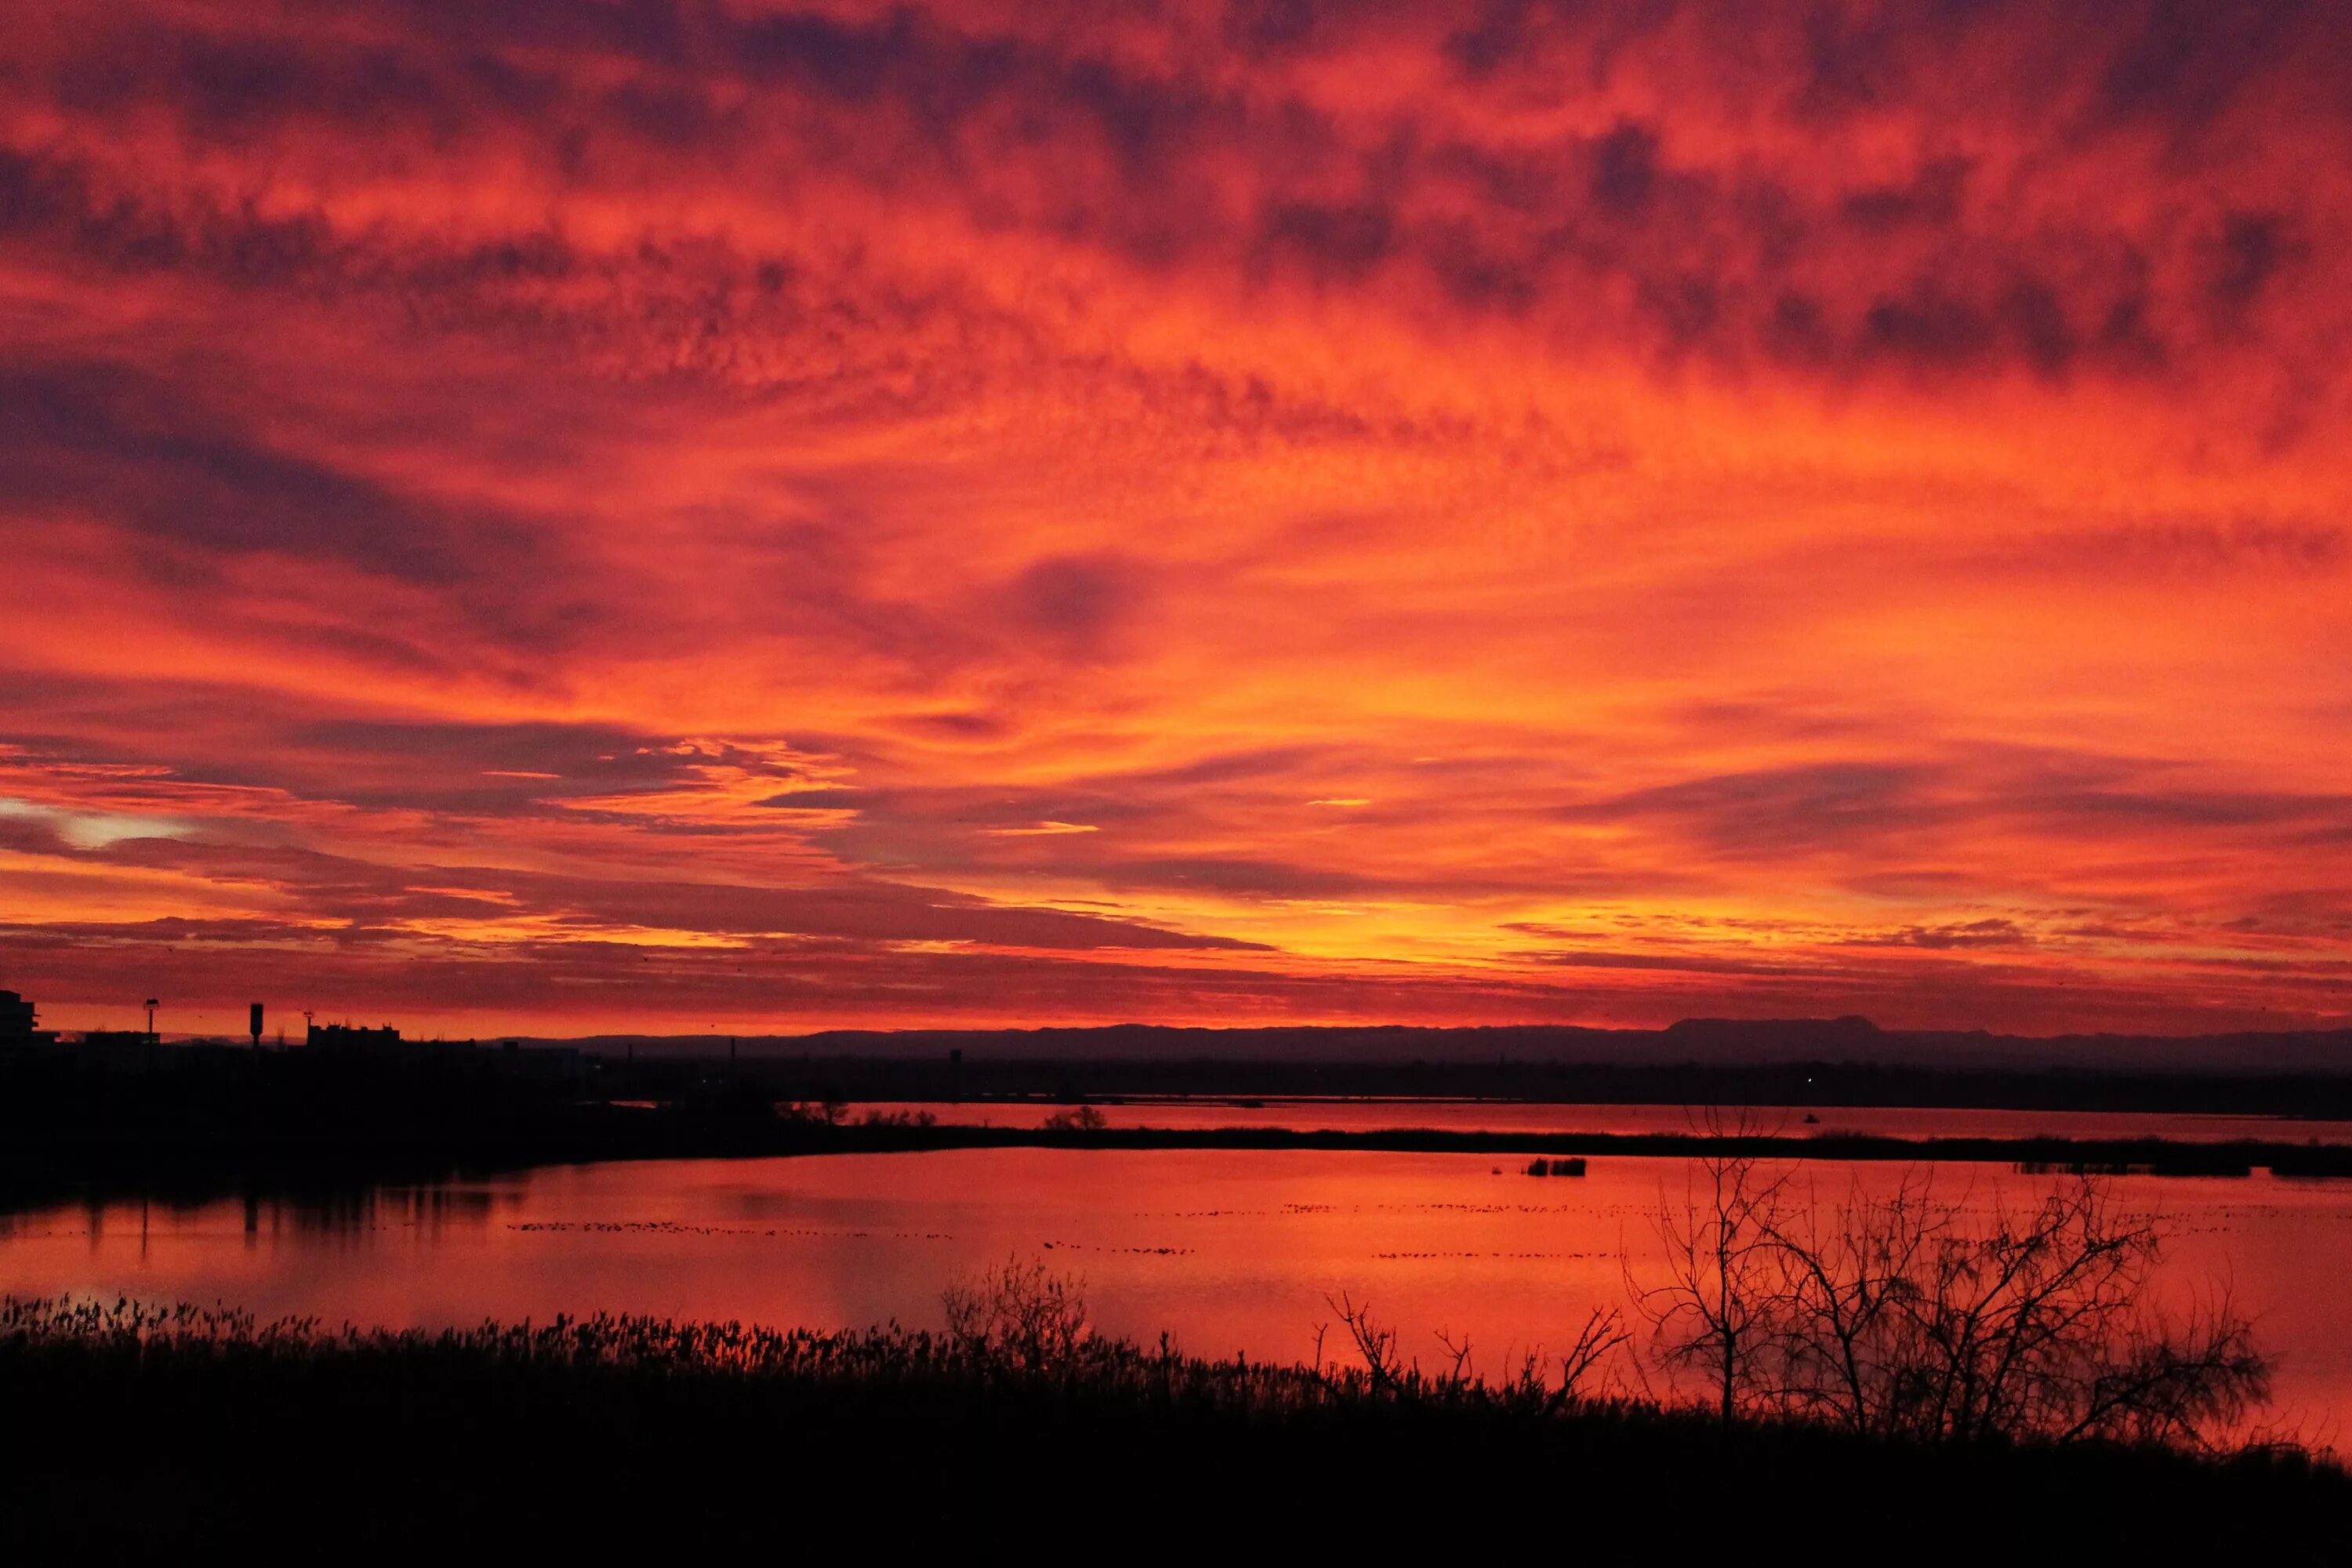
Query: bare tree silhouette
(1022,1314)
(1902,1315)
(1897,1316)
(1714,1312)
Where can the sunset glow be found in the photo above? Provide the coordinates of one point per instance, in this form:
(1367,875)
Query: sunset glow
(559,516)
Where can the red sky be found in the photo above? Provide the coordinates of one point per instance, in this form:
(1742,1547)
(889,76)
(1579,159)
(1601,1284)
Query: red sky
(568,516)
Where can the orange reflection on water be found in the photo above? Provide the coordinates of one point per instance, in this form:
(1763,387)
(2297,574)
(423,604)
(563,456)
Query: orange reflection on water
(1229,1251)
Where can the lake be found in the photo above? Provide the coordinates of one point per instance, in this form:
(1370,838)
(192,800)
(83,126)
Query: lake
(1369,1115)
(1228,1250)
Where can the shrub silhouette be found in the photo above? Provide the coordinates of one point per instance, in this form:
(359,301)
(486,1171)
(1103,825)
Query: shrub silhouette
(1022,1314)
(1899,1316)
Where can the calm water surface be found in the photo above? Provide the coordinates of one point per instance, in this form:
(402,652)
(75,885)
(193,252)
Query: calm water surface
(1229,1251)
(1504,1116)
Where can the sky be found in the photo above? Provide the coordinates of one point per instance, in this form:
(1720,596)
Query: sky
(707,515)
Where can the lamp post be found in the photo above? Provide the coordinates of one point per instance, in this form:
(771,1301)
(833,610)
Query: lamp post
(152,1005)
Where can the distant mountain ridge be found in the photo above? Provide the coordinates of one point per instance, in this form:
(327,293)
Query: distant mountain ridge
(1707,1041)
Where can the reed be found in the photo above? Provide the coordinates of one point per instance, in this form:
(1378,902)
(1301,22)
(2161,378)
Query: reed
(162,1427)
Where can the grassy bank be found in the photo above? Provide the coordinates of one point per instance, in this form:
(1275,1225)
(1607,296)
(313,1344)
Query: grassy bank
(336,1140)
(220,1118)
(148,1432)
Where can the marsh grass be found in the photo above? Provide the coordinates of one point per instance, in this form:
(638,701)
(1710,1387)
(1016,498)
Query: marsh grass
(147,1428)
(1016,1331)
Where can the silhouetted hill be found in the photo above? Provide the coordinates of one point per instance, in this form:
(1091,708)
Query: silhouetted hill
(1730,1042)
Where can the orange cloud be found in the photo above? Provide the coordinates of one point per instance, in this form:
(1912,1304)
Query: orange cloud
(556,515)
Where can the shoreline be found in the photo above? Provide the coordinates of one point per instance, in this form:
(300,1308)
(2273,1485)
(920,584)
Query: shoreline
(35,1170)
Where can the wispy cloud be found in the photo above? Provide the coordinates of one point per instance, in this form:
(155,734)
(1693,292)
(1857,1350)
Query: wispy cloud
(845,512)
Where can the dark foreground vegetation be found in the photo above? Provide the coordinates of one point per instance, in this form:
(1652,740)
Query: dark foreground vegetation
(1951,1381)
(140,1431)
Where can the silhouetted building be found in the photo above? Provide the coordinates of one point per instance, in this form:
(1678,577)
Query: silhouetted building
(16,1021)
(384,1047)
(344,1037)
(120,1050)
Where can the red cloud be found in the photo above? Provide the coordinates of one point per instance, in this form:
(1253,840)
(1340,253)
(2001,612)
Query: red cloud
(605,513)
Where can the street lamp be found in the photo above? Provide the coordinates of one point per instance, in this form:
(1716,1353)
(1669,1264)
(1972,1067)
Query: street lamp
(152,1005)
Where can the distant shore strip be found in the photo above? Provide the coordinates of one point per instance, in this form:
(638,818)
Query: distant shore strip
(582,1134)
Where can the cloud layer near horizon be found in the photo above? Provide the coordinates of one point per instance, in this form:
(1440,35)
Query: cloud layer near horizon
(683,515)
